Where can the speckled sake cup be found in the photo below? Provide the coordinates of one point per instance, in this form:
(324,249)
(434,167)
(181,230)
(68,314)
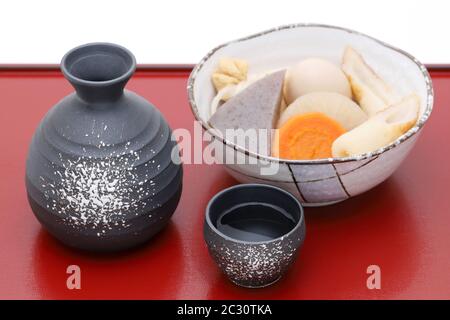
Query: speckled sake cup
(253,264)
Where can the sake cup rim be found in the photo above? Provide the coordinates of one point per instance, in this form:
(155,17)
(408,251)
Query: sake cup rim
(217,135)
(218,195)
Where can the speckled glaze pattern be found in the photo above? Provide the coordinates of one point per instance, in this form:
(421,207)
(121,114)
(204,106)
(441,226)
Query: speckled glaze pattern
(254,264)
(99,173)
(324,181)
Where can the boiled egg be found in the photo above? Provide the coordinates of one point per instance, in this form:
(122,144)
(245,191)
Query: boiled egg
(315,75)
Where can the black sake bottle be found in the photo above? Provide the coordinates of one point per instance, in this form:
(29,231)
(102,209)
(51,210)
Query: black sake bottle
(102,172)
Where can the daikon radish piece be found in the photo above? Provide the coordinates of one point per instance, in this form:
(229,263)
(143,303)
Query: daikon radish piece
(334,105)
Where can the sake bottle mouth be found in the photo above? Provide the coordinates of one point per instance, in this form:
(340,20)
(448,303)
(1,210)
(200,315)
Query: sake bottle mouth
(98,64)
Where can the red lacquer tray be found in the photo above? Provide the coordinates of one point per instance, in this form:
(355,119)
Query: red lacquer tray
(403,225)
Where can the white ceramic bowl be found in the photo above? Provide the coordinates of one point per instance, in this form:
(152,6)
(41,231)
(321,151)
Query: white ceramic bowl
(324,181)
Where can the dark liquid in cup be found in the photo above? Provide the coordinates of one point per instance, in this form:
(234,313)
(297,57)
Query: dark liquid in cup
(255,222)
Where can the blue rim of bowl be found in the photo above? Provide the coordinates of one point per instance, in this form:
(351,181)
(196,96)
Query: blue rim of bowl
(215,198)
(217,135)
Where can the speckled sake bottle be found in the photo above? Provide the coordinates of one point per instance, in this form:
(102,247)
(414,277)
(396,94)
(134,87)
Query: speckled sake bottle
(102,171)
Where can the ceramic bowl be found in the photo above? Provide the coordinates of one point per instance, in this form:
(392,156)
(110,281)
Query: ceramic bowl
(257,262)
(324,181)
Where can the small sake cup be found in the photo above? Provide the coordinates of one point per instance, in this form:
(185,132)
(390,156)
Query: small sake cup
(250,257)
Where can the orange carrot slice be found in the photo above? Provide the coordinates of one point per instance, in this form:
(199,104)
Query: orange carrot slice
(307,136)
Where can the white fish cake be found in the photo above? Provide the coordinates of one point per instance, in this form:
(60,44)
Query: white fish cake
(380,130)
(371,92)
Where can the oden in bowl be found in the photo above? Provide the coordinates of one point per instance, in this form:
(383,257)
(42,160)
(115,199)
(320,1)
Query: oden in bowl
(320,181)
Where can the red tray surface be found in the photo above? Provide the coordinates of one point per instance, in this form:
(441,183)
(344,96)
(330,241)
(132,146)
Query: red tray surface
(403,225)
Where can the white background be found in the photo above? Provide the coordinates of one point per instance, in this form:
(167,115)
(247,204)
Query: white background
(169,31)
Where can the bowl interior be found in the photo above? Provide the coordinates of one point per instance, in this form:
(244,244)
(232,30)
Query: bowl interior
(282,47)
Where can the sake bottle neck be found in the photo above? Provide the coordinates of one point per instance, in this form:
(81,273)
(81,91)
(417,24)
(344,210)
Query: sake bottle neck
(98,71)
